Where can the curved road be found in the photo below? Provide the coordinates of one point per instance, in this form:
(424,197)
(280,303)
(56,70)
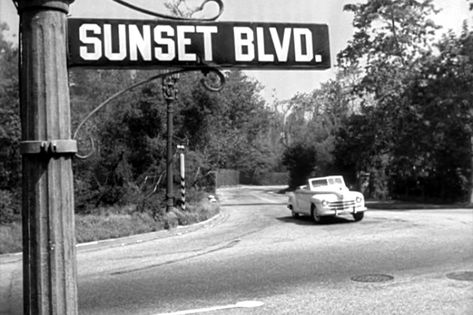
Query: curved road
(254,251)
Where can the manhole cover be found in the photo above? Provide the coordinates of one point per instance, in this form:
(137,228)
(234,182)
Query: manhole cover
(461,275)
(372,278)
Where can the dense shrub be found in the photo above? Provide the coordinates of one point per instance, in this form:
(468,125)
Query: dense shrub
(10,238)
(9,207)
(300,160)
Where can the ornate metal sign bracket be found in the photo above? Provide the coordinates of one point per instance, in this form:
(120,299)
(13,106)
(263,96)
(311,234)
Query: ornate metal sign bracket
(206,70)
(170,78)
(169,87)
(169,90)
(176,18)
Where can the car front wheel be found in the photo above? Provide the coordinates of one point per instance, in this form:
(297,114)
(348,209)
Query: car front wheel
(313,212)
(358,216)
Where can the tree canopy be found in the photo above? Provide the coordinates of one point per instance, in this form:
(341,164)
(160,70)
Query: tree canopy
(400,109)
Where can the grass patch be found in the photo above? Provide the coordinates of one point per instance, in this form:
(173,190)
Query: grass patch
(10,238)
(195,213)
(112,225)
(113,222)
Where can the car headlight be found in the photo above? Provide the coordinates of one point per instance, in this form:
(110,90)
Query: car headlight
(358,199)
(324,203)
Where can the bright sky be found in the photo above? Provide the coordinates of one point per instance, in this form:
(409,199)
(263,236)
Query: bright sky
(278,84)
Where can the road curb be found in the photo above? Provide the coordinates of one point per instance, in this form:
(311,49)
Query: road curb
(146,237)
(135,239)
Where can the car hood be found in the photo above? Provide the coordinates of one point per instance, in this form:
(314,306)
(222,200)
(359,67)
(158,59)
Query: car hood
(336,195)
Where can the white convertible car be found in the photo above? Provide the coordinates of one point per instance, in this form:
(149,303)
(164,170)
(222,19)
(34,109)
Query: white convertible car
(326,196)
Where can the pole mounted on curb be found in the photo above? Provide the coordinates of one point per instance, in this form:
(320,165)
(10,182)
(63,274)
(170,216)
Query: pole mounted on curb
(49,254)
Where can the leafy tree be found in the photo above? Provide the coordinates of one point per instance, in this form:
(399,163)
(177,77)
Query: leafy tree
(10,132)
(391,38)
(300,160)
(387,32)
(314,120)
(413,130)
(440,120)
(229,129)
(105,176)
(228,126)
(471,164)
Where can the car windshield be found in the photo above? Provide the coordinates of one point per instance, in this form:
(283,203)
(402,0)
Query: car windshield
(319,182)
(335,181)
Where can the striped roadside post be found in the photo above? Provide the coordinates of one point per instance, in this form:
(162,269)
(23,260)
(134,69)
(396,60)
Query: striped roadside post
(182,167)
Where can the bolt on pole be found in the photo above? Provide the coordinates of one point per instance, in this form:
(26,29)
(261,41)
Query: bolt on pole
(49,254)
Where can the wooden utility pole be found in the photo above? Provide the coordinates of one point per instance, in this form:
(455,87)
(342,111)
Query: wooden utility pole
(49,255)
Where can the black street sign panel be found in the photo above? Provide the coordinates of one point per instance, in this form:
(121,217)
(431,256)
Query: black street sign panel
(116,43)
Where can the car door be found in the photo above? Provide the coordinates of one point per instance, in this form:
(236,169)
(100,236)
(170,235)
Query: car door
(303,195)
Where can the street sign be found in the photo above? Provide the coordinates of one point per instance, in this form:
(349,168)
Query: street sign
(113,43)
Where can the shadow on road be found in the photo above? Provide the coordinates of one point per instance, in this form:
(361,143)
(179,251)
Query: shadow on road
(406,206)
(306,220)
(252,204)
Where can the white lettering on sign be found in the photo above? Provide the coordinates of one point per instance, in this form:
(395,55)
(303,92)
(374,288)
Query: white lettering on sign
(281,48)
(262,55)
(107,33)
(247,46)
(183,41)
(170,52)
(244,44)
(96,52)
(207,32)
(156,43)
(140,40)
(302,56)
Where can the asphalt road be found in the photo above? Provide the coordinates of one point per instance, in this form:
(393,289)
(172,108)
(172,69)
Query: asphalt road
(255,251)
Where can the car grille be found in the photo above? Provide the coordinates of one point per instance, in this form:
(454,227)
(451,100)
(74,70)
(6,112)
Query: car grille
(341,205)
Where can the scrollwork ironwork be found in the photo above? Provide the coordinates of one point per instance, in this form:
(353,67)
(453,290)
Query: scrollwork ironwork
(214,79)
(169,87)
(172,17)
(206,70)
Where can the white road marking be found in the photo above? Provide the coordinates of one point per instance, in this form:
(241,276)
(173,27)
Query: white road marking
(243,304)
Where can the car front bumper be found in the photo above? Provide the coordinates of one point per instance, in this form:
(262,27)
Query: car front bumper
(334,211)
